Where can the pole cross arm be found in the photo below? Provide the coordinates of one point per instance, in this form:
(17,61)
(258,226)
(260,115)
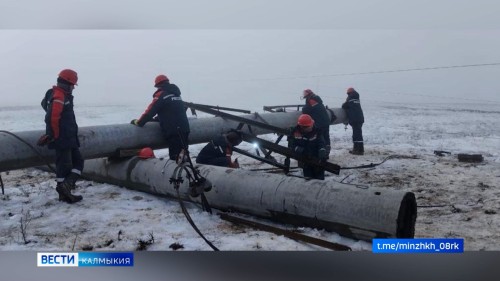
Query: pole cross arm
(236,118)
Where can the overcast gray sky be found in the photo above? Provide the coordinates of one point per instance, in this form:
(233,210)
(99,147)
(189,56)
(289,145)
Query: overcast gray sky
(223,52)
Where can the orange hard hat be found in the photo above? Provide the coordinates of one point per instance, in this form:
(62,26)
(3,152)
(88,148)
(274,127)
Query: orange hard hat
(307,92)
(146,153)
(160,78)
(69,75)
(305,120)
(350,90)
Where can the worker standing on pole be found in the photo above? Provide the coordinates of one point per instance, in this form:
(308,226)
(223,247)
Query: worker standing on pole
(315,108)
(352,106)
(62,134)
(218,151)
(168,107)
(307,141)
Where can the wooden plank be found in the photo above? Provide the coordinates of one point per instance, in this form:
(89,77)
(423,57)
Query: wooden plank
(286,233)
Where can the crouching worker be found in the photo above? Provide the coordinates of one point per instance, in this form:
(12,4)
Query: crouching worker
(308,141)
(218,151)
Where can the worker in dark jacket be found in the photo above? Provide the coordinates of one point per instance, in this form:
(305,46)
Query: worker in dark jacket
(168,107)
(61,134)
(352,106)
(307,141)
(218,151)
(315,108)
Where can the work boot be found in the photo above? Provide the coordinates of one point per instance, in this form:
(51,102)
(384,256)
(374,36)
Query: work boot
(328,149)
(353,149)
(71,180)
(356,152)
(64,190)
(357,149)
(361,148)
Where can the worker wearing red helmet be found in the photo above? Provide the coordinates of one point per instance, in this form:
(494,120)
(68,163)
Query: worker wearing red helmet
(315,108)
(168,108)
(308,141)
(352,107)
(62,134)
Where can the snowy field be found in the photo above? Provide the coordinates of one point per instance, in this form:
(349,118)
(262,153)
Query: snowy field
(455,199)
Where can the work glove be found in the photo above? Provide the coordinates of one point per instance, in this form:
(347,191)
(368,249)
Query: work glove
(299,149)
(134,122)
(322,154)
(44,140)
(234,164)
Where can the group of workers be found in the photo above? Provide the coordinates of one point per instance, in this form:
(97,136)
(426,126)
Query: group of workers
(310,137)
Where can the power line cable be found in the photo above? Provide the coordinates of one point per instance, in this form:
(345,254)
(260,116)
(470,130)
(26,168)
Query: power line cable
(399,93)
(371,72)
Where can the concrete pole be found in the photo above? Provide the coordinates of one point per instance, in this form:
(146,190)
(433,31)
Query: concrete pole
(103,141)
(359,213)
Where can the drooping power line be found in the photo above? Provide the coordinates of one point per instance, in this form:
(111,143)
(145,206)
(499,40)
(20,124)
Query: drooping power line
(373,72)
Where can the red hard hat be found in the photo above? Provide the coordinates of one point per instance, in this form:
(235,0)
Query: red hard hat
(350,90)
(305,120)
(307,92)
(146,153)
(160,78)
(69,75)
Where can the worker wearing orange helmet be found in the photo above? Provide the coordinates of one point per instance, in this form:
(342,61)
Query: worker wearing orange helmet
(168,108)
(308,141)
(62,134)
(352,107)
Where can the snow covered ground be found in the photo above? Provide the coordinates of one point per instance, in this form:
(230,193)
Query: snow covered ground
(455,199)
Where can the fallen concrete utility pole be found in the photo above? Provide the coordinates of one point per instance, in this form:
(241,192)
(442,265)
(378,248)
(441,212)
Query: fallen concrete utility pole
(104,141)
(360,213)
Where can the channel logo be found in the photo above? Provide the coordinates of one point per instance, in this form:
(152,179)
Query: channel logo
(57,259)
(418,245)
(84,259)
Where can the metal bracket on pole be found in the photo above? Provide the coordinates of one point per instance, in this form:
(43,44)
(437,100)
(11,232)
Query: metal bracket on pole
(240,119)
(263,159)
(218,108)
(268,154)
(281,108)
